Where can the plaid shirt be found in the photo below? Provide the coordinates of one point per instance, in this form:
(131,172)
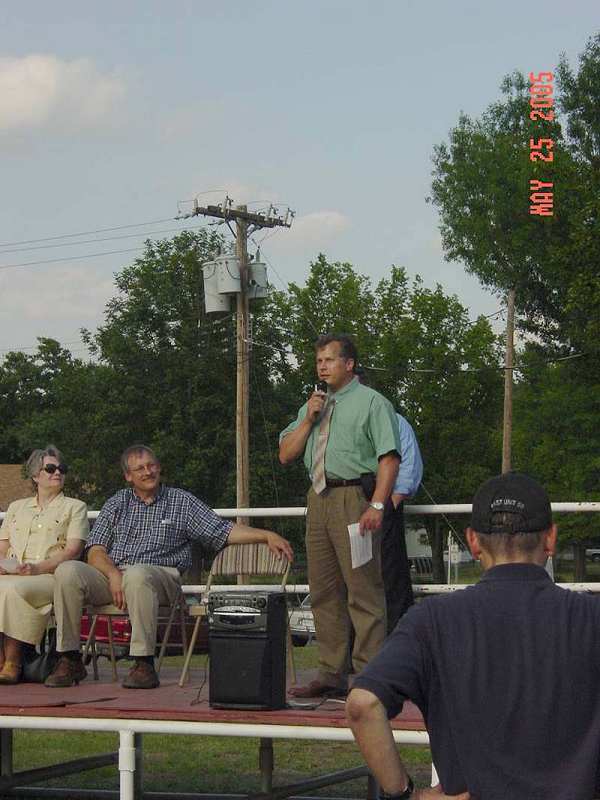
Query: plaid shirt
(160,533)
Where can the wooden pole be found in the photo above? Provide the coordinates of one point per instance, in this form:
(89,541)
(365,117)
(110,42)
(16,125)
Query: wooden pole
(243,372)
(508,382)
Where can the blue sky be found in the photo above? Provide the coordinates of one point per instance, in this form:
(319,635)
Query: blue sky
(110,114)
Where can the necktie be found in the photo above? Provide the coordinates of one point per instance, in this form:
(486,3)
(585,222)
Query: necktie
(318,481)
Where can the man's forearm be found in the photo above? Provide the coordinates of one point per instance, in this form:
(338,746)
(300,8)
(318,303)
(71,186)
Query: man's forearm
(387,470)
(373,734)
(292,445)
(244,534)
(100,560)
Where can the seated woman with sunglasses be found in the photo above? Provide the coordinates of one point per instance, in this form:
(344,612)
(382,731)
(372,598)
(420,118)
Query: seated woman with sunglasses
(37,534)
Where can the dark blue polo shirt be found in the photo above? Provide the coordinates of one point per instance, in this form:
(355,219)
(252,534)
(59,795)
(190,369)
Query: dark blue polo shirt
(507,676)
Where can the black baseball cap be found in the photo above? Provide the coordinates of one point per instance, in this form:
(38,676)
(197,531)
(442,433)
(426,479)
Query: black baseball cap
(516,494)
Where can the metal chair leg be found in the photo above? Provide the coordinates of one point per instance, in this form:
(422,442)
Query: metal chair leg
(91,645)
(182,621)
(290,653)
(111,649)
(167,634)
(188,657)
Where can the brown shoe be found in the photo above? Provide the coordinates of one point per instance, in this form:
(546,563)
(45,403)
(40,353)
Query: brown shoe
(141,676)
(317,688)
(68,672)
(11,673)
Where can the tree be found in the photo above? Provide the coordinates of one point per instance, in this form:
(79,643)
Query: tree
(171,366)
(556,438)
(481,187)
(579,101)
(28,388)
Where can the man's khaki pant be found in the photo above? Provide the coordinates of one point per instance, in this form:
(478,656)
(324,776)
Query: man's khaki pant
(145,587)
(342,597)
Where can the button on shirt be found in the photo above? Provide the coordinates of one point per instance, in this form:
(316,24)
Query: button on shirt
(159,533)
(363,428)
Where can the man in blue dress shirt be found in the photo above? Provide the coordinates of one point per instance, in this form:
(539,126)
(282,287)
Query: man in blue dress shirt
(395,567)
(394,556)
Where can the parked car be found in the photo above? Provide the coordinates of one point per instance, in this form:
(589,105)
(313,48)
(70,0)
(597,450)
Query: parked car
(591,554)
(302,623)
(121,630)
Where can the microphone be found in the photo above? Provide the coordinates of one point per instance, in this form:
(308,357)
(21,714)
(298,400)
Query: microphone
(321,386)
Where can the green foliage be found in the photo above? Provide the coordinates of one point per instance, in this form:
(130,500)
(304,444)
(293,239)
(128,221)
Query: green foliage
(556,436)
(481,188)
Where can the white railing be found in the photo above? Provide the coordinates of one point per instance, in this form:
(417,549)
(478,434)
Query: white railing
(587,506)
(410,510)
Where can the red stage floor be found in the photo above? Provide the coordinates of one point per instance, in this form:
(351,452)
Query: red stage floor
(104,699)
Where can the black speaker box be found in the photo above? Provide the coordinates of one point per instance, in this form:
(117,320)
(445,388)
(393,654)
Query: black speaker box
(247,667)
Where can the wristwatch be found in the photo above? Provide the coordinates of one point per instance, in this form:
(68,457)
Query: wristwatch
(405,795)
(377,506)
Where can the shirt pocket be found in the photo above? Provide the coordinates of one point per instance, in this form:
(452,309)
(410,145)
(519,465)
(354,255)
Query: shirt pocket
(351,434)
(56,531)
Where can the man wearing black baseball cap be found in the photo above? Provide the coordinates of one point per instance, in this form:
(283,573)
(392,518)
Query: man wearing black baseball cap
(506,672)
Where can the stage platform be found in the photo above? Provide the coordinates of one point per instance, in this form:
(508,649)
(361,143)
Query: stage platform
(105,706)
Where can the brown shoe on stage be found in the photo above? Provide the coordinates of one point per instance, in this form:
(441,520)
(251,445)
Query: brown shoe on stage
(11,673)
(141,676)
(68,672)
(317,688)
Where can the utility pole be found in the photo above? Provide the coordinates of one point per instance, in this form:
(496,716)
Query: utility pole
(242,425)
(508,382)
(246,222)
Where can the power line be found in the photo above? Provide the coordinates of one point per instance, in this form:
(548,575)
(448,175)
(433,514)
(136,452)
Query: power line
(70,258)
(93,241)
(87,233)
(36,346)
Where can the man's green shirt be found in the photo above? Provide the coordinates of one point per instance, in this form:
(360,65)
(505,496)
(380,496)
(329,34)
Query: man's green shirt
(362,428)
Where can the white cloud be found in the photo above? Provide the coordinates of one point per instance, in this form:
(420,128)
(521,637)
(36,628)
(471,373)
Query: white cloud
(318,226)
(53,302)
(41,91)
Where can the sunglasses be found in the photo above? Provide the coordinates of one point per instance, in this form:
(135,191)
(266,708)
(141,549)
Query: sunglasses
(51,469)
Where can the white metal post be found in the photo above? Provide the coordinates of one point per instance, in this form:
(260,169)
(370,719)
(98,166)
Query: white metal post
(126,765)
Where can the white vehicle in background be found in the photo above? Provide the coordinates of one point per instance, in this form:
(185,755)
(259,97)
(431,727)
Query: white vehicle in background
(302,623)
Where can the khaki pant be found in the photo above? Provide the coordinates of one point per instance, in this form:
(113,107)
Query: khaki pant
(25,605)
(145,587)
(342,597)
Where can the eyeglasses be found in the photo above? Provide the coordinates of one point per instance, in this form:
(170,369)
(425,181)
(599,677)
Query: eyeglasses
(150,467)
(51,469)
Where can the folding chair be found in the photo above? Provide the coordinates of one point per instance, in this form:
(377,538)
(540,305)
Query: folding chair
(241,560)
(110,611)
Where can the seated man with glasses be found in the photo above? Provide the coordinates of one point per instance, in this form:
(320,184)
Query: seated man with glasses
(140,545)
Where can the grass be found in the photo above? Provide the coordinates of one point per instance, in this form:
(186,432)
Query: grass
(207,763)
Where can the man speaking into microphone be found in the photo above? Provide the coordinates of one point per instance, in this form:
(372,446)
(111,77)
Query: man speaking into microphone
(350,441)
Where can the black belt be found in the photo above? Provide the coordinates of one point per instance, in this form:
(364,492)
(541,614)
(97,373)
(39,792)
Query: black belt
(334,483)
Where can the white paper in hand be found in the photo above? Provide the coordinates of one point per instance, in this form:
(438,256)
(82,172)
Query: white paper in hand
(361,547)
(10,565)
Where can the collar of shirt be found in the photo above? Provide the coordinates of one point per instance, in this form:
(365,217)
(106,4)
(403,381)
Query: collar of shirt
(159,495)
(32,502)
(349,387)
(515,572)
